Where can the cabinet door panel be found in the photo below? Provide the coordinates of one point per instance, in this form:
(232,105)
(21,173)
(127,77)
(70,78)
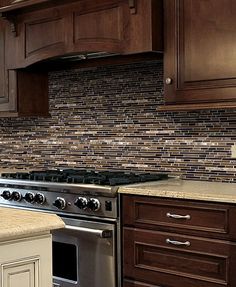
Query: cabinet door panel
(8,100)
(2,63)
(199,51)
(3,94)
(150,258)
(22,273)
(50,31)
(45,35)
(207,38)
(100,26)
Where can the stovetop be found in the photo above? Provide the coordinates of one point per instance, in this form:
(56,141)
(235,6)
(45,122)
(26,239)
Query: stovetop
(79,176)
(70,191)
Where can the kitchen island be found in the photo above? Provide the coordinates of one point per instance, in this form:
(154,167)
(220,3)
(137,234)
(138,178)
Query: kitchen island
(26,247)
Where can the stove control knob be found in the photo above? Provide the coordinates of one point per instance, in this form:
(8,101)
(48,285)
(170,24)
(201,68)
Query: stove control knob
(93,204)
(16,196)
(6,194)
(29,197)
(81,202)
(39,198)
(60,203)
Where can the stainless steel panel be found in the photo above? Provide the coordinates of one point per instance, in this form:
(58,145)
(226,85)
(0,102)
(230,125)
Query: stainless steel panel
(96,255)
(70,199)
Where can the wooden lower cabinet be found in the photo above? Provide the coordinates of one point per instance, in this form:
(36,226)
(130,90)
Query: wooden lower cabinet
(26,262)
(151,257)
(156,258)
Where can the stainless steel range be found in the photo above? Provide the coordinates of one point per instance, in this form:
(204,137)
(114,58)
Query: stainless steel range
(87,252)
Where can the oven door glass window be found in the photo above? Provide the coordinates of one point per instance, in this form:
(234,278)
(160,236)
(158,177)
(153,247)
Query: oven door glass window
(65,260)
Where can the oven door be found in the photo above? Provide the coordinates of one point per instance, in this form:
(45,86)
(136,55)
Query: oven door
(84,254)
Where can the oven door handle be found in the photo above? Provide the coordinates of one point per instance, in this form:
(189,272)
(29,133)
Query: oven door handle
(101,233)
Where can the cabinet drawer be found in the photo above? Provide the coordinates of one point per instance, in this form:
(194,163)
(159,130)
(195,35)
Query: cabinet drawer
(154,257)
(190,217)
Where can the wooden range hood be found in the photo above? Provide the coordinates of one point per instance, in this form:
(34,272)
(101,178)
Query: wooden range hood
(33,33)
(42,30)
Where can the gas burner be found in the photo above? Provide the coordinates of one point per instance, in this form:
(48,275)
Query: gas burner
(16,175)
(48,176)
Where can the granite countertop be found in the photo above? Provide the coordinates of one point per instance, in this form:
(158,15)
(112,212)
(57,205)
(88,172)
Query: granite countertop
(16,223)
(185,189)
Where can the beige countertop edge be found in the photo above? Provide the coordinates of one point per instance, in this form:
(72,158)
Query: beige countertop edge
(185,189)
(16,223)
(177,195)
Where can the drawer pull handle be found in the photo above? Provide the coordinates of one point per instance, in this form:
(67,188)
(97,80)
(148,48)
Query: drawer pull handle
(177,216)
(174,242)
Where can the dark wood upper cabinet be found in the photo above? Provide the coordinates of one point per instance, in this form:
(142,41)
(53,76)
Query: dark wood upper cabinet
(22,93)
(86,27)
(38,31)
(199,61)
(4,99)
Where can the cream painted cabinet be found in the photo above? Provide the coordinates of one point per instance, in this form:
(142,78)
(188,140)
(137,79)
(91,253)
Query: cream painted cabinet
(26,262)
(21,273)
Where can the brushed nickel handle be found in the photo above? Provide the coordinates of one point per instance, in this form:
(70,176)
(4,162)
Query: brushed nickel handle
(178,243)
(178,216)
(169,81)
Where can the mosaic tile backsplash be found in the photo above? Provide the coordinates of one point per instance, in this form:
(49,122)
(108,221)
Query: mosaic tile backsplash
(108,118)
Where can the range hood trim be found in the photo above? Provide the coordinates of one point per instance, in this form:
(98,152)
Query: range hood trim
(86,56)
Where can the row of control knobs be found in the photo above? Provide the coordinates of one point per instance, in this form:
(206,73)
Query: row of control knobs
(83,203)
(29,196)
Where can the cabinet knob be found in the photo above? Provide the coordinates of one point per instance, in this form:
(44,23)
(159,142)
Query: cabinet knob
(169,81)
(60,203)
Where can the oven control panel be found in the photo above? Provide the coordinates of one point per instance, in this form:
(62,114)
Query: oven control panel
(65,202)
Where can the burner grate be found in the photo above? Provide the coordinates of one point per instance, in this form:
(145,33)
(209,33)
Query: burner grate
(77,176)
